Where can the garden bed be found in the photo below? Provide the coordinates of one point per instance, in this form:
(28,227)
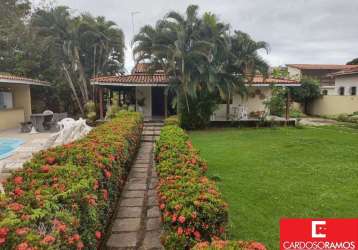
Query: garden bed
(192,208)
(64,197)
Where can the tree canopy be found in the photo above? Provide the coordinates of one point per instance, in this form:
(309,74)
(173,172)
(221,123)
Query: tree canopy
(67,50)
(353,62)
(199,54)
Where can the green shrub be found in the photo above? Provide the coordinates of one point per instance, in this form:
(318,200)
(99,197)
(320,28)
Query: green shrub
(172,120)
(229,245)
(192,208)
(64,196)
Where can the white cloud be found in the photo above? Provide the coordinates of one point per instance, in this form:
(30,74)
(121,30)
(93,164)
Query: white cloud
(298,31)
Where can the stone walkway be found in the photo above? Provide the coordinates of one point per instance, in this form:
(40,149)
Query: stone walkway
(137,224)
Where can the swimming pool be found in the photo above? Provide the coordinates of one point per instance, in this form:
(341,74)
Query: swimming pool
(8,145)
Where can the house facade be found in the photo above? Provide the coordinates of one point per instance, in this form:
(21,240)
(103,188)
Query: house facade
(147,93)
(15,100)
(338,85)
(342,98)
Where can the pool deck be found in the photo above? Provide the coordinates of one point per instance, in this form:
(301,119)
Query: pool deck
(32,144)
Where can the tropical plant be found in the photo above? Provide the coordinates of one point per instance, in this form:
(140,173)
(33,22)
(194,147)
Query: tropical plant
(277,103)
(353,62)
(199,55)
(85,46)
(307,92)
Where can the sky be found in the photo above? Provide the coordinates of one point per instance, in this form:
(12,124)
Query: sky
(298,31)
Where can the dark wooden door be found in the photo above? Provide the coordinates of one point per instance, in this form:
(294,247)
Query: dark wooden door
(158,107)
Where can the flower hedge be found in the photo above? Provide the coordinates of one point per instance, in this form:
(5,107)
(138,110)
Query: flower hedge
(229,245)
(64,197)
(192,208)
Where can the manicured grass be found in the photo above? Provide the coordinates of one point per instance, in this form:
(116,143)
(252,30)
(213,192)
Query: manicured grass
(267,174)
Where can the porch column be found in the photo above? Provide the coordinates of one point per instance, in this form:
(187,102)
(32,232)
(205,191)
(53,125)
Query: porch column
(165,105)
(287,106)
(100,96)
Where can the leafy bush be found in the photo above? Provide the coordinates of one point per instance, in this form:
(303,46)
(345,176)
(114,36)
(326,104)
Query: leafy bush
(277,102)
(64,196)
(172,120)
(192,208)
(230,245)
(90,109)
(201,108)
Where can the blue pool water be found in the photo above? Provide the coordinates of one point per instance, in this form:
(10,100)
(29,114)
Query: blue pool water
(8,145)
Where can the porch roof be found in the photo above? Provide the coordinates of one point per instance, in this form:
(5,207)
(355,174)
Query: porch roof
(141,79)
(21,80)
(162,80)
(261,81)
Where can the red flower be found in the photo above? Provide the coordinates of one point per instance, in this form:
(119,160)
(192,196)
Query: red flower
(177,207)
(107,174)
(18,180)
(197,235)
(256,246)
(2,241)
(23,246)
(105,194)
(45,169)
(162,206)
(50,160)
(95,185)
(18,191)
(80,245)
(180,231)
(22,231)
(98,235)
(16,207)
(181,219)
(193,215)
(76,237)
(3,232)
(48,239)
(174,218)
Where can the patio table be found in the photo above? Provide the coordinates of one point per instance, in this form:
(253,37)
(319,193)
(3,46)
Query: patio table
(38,120)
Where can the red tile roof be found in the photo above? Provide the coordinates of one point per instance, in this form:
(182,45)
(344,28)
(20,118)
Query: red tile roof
(350,71)
(141,68)
(22,80)
(140,79)
(321,66)
(140,76)
(259,79)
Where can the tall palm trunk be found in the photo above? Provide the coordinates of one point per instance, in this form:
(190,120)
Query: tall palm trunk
(72,86)
(228,98)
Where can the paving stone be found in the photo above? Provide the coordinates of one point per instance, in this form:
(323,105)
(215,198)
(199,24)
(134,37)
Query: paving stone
(130,212)
(153,212)
(153,224)
(146,161)
(126,225)
(132,202)
(123,240)
(137,180)
(138,175)
(134,186)
(152,201)
(154,173)
(152,185)
(152,240)
(141,170)
(133,193)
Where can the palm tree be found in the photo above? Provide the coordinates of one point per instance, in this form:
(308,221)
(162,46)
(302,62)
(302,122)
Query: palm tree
(86,47)
(176,45)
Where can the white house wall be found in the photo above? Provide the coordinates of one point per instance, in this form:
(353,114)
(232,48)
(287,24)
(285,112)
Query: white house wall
(251,102)
(347,82)
(294,73)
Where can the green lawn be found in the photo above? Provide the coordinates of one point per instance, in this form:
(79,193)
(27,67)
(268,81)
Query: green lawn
(266,174)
